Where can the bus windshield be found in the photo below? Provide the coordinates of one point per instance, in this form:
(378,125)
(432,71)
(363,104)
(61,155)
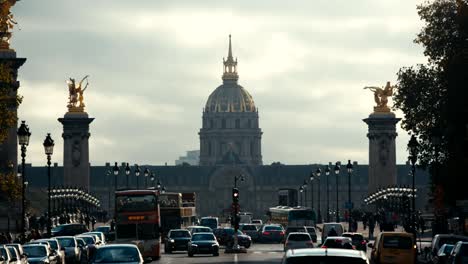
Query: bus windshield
(136,203)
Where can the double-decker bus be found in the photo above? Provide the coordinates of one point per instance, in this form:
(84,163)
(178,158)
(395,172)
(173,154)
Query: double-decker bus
(137,220)
(177,210)
(292,216)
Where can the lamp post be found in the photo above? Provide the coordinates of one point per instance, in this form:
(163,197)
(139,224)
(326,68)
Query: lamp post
(152,179)
(137,174)
(413,147)
(23,140)
(304,186)
(146,174)
(318,172)
(301,189)
(49,150)
(108,173)
(311,179)
(337,172)
(115,170)
(349,168)
(127,174)
(327,173)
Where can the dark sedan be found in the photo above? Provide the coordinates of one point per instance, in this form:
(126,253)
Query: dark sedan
(203,243)
(358,240)
(224,237)
(177,239)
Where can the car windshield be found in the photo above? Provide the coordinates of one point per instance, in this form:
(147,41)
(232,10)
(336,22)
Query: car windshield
(273,228)
(181,233)
(35,251)
(325,260)
(298,237)
(53,244)
(88,240)
(355,238)
(249,227)
(198,237)
(310,229)
(12,251)
(3,253)
(116,254)
(446,249)
(397,242)
(66,242)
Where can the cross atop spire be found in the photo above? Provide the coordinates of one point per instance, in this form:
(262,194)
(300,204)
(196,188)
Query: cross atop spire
(230,65)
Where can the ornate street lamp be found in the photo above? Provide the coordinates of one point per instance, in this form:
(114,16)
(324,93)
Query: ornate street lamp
(116,171)
(146,173)
(349,168)
(137,174)
(127,173)
(49,150)
(304,186)
(337,172)
(327,173)
(301,189)
(152,179)
(413,147)
(318,172)
(163,190)
(23,140)
(311,180)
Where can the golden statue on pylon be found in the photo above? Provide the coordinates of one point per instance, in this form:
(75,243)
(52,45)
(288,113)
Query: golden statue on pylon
(75,97)
(381,95)
(6,23)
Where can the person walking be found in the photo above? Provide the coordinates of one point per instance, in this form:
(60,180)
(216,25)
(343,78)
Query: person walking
(371,226)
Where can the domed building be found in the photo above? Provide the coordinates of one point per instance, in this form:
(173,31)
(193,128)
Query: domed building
(230,132)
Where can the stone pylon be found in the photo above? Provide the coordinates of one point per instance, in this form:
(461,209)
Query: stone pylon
(382,150)
(76,149)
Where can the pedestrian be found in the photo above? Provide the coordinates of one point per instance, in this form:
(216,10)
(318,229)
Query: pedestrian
(422,224)
(93,222)
(371,226)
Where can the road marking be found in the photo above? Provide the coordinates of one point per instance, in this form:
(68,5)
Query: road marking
(235,258)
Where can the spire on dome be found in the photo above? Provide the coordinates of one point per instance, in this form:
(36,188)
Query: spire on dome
(230,65)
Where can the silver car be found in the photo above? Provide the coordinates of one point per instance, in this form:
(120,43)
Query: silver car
(5,255)
(70,246)
(297,240)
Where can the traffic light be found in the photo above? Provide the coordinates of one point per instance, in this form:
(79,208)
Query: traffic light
(235,195)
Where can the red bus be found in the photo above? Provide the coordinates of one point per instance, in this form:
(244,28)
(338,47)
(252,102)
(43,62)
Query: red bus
(137,220)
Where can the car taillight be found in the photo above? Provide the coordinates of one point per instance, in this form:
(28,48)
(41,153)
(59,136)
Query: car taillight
(282,233)
(363,242)
(323,246)
(266,233)
(354,247)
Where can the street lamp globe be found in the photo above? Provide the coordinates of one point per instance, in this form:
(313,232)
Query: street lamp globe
(48,145)
(311,177)
(127,169)
(304,185)
(158,184)
(327,170)
(337,168)
(23,134)
(163,190)
(349,167)
(152,176)
(137,170)
(116,169)
(146,172)
(318,172)
(301,189)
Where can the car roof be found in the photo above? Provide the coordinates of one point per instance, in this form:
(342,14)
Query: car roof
(118,245)
(34,245)
(450,235)
(337,237)
(57,237)
(203,233)
(181,229)
(325,252)
(352,234)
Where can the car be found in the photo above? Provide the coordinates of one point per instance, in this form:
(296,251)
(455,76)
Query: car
(250,230)
(70,246)
(108,233)
(357,239)
(291,229)
(15,256)
(459,254)
(394,247)
(55,246)
(324,256)
(69,230)
(225,237)
(198,229)
(101,235)
(338,242)
(88,247)
(118,253)
(297,240)
(312,232)
(328,228)
(19,248)
(177,239)
(443,254)
(209,221)
(203,243)
(6,255)
(271,233)
(39,253)
(440,239)
(257,222)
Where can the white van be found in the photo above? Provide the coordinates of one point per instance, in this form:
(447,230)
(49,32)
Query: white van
(327,227)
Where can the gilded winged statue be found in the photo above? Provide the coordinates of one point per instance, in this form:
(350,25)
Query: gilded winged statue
(75,97)
(381,95)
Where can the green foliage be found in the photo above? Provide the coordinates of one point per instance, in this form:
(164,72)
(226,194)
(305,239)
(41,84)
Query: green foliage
(9,101)
(423,89)
(10,187)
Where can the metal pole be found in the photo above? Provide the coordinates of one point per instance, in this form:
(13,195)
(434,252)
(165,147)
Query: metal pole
(48,197)
(305,198)
(319,214)
(328,199)
(138,182)
(23,198)
(337,205)
(349,201)
(413,225)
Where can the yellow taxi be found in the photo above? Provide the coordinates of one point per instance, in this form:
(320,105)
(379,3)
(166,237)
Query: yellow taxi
(393,247)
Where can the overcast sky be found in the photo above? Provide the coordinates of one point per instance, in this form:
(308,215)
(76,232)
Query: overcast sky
(153,64)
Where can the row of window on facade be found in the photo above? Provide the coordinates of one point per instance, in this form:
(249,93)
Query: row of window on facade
(237,124)
(236,147)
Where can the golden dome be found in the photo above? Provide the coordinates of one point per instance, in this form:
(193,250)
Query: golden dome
(230,96)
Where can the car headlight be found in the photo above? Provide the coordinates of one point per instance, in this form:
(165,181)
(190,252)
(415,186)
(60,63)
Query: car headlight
(172,241)
(194,245)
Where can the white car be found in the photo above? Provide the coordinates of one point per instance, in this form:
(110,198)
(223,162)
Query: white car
(297,240)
